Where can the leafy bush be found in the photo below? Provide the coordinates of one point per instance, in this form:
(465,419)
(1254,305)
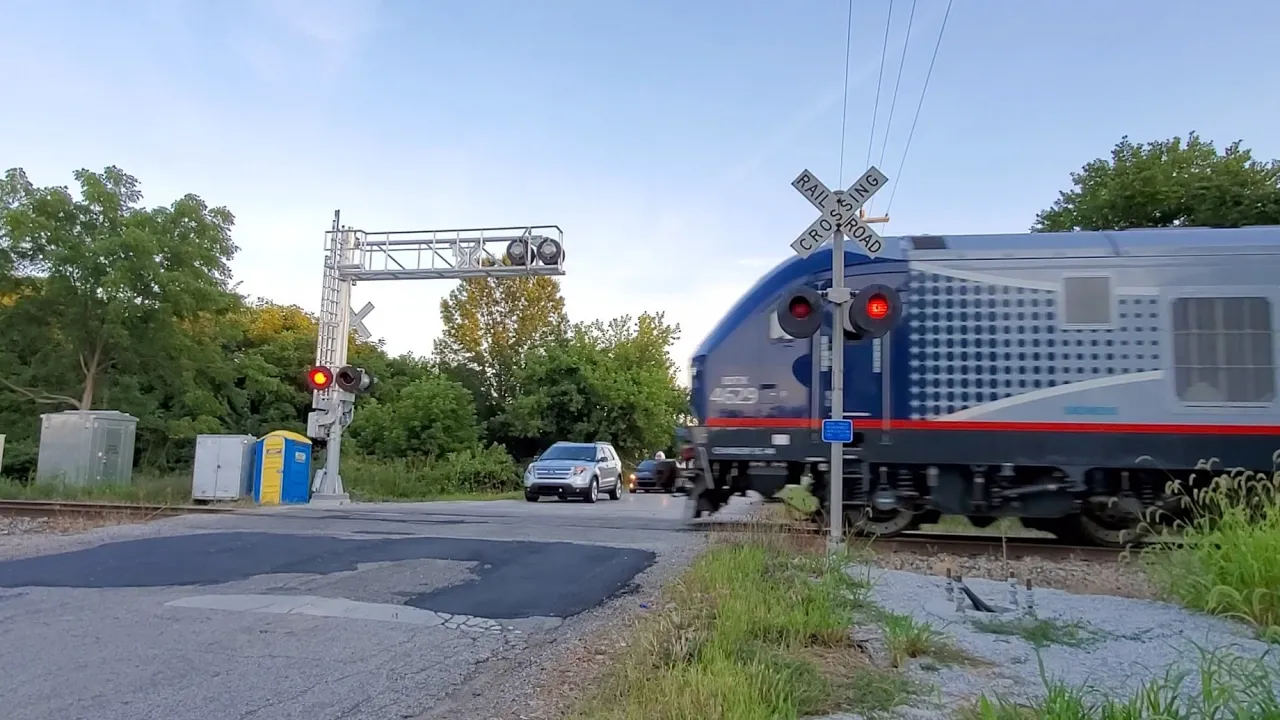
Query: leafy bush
(1226,559)
(430,416)
(465,472)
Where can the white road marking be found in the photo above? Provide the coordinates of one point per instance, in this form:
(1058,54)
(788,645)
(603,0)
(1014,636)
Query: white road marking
(336,607)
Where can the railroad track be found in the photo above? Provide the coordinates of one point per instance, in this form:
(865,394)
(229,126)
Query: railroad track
(914,542)
(972,544)
(64,508)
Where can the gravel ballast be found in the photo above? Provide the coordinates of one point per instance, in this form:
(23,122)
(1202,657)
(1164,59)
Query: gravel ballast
(1120,643)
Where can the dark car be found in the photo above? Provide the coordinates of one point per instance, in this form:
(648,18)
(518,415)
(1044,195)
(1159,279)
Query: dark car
(652,475)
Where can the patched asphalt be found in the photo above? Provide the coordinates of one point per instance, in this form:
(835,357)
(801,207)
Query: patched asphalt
(367,611)
(513,579)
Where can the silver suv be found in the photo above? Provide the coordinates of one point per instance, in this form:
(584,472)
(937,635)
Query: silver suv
(568,470)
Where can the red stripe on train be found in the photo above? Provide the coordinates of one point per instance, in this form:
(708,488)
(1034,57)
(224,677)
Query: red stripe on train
(1007,426)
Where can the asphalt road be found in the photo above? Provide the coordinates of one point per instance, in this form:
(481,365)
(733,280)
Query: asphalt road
(359,611)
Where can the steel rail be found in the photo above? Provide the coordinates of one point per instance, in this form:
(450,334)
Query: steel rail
(938,542)
(56,508)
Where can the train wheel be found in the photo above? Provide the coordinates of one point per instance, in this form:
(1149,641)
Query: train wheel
(879,523)
(1109,527)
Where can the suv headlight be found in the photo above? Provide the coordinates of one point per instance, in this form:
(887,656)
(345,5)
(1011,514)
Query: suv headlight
(580,469)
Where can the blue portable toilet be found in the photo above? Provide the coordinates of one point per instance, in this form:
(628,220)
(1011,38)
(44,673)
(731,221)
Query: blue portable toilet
(282,469)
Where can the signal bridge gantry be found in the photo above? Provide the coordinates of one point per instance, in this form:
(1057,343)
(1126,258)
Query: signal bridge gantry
(358,256)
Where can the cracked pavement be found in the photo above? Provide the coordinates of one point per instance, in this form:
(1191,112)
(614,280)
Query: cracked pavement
(363,611)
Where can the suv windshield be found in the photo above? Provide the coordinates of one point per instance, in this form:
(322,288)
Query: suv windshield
(586,453)
(646,465)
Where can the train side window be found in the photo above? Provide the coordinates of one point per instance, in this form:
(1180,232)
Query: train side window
(1222,350)
(776,333)
(1086,302)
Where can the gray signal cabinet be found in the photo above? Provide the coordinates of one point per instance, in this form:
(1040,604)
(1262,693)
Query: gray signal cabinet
(223,468)
(93,447)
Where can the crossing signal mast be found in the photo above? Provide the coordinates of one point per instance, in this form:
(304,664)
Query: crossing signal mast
(356,255)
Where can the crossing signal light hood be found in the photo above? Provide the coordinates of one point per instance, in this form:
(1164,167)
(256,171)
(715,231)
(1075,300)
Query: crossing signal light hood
(319,378)
(873,312)
(353,379)
(798,312)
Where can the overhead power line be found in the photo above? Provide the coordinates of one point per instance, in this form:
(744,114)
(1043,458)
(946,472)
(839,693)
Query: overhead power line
(897,83)
(844,116)
(875,111)
(897,176)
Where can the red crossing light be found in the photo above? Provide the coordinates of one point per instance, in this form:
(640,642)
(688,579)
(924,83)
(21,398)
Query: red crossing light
(877,307)
(798,312)
(319,378)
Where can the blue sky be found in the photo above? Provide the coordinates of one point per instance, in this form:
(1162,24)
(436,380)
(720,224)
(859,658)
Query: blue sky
(661,134)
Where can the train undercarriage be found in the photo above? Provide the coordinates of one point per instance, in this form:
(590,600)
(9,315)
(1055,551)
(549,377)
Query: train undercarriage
(1111,507)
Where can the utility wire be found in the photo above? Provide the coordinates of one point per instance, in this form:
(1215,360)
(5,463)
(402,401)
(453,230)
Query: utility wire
(844,117)
(898,175)
(893,101)
(871,139)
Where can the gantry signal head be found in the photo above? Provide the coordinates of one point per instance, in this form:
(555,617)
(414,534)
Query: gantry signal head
(800,312)
(518,252)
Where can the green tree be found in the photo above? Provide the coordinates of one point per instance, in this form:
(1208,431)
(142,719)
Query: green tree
(104,284)
(430,416)
(610,381)
(490,326)
(1168,183)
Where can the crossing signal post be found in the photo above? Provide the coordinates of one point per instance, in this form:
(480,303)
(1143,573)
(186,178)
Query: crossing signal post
(841,215)
(354,256)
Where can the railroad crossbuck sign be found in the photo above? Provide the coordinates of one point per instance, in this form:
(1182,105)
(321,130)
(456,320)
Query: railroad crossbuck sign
(357,321)
(839,210)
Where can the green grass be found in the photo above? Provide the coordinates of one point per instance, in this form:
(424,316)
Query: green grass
(752,631)
(1225,686)
(147,488)
(483,475)
(908,638)
(1227,559)
(1041,632)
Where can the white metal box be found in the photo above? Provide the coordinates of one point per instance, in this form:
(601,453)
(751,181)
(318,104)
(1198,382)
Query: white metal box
(223,467)
(92,447)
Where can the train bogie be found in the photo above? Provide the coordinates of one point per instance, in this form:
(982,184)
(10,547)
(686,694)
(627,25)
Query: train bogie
(1064,379)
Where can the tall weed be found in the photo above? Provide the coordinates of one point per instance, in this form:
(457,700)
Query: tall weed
(1226,556)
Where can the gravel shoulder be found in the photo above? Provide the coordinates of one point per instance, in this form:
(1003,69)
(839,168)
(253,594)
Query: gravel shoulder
(1083,577)
(1111,645)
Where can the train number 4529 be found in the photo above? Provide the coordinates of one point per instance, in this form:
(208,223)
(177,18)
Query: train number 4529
(735,396)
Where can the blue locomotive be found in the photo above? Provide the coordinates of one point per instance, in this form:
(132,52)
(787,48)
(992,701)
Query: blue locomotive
(1062,378)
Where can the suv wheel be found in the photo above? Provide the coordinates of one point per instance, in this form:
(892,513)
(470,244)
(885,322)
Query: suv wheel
(615,492)
(531,497)
(593,491)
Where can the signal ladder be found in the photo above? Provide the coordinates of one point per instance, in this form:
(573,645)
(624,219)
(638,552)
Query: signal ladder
(328,345)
